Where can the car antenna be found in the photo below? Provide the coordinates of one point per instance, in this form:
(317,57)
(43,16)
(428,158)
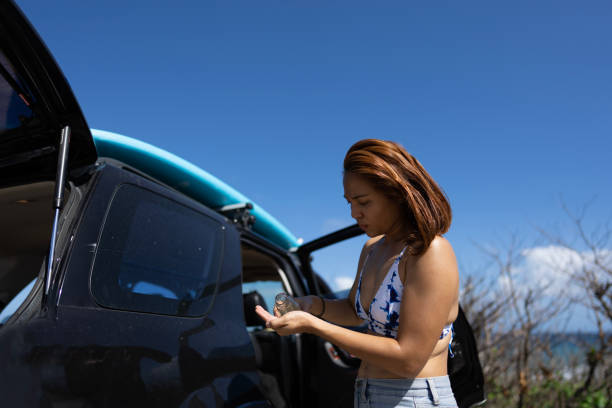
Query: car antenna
(58,198)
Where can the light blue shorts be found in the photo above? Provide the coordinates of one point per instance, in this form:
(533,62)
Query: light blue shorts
(410,392)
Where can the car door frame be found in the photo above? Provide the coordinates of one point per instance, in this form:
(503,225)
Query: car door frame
(287,264)
(341,366)
(303,253)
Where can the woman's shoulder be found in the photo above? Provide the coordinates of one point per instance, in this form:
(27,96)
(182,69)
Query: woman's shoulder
(439,257)
(439,246)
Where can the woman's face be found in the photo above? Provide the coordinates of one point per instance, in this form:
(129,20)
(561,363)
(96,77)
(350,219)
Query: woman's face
(374,212)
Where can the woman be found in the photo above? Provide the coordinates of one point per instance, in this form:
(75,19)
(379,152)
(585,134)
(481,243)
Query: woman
(406,286)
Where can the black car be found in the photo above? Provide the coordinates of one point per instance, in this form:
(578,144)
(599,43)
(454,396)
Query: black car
(129,277)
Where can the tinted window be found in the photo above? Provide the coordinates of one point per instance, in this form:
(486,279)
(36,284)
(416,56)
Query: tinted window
(156,255)
(14,111)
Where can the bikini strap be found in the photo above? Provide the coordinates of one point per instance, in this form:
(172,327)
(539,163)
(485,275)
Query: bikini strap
(361,270)
(365,261)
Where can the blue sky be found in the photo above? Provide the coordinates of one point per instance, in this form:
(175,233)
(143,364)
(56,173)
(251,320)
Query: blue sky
(507,105)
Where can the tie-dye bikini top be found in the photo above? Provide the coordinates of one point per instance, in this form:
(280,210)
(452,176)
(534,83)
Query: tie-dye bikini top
(384,312)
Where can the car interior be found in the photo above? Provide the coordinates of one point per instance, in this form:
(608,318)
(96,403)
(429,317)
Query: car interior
(26,216)
(262,280)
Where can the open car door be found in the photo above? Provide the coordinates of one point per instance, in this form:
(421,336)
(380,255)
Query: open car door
(36,103)
(43,133)
(333,369)
(338,368)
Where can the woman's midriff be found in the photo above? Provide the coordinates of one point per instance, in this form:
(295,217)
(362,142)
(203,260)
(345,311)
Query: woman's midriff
(435,366)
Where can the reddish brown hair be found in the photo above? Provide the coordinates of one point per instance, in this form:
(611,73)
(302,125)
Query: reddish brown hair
(398,175)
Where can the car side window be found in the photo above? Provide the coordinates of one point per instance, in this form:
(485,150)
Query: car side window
(268,289)
(156,255)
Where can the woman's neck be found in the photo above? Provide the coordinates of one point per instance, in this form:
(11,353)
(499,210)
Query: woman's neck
(391,244)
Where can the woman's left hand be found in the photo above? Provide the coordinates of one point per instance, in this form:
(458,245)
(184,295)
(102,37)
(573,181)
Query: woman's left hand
(290,323)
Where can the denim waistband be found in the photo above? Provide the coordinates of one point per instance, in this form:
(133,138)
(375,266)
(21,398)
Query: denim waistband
(413,383)
(436,387)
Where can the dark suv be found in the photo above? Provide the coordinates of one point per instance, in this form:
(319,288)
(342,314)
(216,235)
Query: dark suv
(129,276)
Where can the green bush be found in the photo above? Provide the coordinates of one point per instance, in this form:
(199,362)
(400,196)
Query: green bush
(549,393)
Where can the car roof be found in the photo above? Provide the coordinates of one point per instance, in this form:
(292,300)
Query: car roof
(189,179)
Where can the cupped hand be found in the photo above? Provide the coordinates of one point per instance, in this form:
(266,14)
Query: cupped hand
(290,323)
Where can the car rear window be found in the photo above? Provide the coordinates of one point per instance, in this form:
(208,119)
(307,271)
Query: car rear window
(156,255)
(14,111)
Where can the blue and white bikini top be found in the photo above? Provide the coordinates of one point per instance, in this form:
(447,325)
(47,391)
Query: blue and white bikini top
(384,312)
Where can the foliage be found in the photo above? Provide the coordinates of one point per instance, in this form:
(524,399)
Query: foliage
(511,322)
(551,393)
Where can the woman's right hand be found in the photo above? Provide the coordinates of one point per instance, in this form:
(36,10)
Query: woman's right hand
(311,304)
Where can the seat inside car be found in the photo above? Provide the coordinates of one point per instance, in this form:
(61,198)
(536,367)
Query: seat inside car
(272,353)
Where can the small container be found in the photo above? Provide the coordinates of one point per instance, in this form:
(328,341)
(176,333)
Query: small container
(285,303)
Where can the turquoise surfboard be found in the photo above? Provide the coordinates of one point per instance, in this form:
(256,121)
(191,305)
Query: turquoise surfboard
(189,179)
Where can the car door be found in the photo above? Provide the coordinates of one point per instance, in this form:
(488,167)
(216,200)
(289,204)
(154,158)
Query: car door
(36,103)
(338,368)
(331,371)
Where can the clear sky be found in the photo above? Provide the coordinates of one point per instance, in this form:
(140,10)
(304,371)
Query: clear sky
(508,105)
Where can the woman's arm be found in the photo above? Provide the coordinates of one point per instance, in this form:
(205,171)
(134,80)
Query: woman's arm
(338,311)
(429,295)
(381,351)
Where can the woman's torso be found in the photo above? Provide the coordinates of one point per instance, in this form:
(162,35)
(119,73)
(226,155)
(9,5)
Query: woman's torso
(379,265)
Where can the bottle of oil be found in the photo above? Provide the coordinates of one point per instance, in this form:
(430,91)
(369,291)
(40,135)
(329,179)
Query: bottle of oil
(285,303)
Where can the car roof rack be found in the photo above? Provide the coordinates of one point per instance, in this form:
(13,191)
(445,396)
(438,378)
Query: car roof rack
(239,214)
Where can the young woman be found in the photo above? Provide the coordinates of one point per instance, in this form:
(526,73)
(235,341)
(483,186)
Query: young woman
(406,287)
